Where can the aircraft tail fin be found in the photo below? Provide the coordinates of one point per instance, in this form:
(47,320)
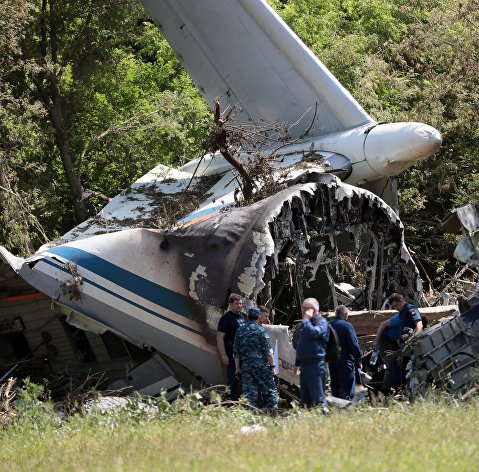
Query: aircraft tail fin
(244,52)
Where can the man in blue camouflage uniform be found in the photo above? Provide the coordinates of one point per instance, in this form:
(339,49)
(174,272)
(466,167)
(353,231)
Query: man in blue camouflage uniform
(388,335)
(254,362)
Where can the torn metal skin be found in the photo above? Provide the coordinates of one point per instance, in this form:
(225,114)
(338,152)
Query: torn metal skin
(277,251)
(301,229)
(465,220)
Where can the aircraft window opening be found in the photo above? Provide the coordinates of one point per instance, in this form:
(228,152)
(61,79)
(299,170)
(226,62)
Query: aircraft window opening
(138,354)
(13,347)
(11,326)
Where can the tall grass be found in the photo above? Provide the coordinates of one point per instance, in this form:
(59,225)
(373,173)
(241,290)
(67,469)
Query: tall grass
(434,435)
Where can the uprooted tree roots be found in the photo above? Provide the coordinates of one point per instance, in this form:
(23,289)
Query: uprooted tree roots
(252,139)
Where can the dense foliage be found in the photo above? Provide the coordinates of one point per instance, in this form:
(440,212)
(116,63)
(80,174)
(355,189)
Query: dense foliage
(92,97)
(416,61)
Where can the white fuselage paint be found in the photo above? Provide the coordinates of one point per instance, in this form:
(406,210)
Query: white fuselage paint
(133,304)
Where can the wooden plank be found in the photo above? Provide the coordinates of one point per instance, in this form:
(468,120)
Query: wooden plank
(367,322)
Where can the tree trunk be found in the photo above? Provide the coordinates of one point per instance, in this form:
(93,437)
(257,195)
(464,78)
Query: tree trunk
(218,140)
(247,186)
(53,103)
(2,182)
(61,140)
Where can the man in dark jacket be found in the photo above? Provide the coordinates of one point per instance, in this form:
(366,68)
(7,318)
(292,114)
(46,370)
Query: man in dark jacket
(342,371)
(310,355)
(227,327)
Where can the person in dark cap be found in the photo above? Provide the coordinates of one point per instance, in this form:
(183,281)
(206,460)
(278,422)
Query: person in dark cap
(389,336)
(254,362)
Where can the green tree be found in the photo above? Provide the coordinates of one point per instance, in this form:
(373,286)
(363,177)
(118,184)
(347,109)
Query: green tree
(114,102)
(413,61)
(439,56)
(351,38)
(67,42)
(19,134)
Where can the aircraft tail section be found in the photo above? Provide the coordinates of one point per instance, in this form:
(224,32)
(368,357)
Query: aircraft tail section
(243,51)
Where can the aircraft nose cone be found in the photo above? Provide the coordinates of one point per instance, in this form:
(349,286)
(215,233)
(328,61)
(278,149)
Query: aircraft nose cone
(393,147)
(429,139)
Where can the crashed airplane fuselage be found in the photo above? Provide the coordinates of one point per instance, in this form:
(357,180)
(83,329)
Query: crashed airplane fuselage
(165,290)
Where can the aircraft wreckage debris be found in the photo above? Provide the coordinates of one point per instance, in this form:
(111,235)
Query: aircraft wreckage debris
(272,250)
(367,322)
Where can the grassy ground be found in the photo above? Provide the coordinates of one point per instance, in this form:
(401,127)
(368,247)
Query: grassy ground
(432,435)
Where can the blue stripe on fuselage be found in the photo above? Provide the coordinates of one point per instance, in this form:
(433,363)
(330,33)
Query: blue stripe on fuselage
(140,286)
(115,294)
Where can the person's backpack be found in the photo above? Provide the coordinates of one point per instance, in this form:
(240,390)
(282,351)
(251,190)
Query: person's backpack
(333,349)
(294,339)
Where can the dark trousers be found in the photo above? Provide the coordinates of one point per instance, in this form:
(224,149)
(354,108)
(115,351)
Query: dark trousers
(259,387)
(233,382)
(342,375)
(312,381)
(386,347)
(389,352)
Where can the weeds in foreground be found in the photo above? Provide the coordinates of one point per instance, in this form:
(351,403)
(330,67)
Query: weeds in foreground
(188,434)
